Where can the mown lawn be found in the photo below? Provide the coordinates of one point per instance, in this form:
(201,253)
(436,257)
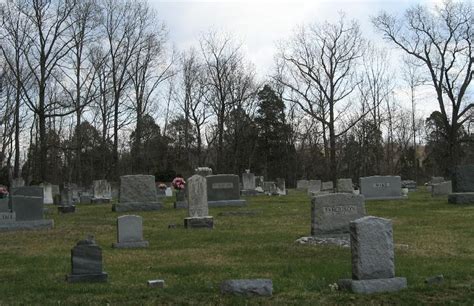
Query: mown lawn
(440,239)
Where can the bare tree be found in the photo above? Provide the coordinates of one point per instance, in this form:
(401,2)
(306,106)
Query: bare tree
(441,40)
(320,76)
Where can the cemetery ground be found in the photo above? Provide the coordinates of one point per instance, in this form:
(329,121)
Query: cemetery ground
(193,263)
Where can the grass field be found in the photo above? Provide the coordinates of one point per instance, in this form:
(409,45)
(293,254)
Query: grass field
(440,239)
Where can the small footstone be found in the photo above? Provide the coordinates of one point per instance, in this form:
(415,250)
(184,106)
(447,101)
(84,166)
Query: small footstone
(156,283)
(435,280)
(67,209)
(368,286)
(199,222)
(248,287)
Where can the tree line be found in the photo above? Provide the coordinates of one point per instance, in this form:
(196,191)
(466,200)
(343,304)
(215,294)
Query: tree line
(93,89)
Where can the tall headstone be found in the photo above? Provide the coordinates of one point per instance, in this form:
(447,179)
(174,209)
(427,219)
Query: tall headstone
(314,187)
(381,187)
(198,209)
(67,200)
(248,184)
(101,191)
(224,190)
(463,185)
(344,185)
(25,210)
(130,233)
(86,263)
(48,193)
(281,187)
(332,213)
(137,193)
(373,266)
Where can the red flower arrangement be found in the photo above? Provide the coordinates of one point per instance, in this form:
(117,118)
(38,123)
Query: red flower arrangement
(178,183)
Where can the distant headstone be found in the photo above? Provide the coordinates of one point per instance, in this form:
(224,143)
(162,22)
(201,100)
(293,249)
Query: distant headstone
(381,187)
(130,232)
(137,193)
(441,189)
(223,190)
(181,201)
(247,287)
(373,267)
(436,179)
(198,210)
(85,198)
(314,187)
(270,188)
(302,184)
(331,213)
(327,186)
(168,192)
(47,193)
(86,263)
(344,185)
(25,210)
(463,185)
(280,184)
(4,207)
(410,184)
(259,181)
(203,171)
(248,181)
(66,196)
(18,182)
(101,191)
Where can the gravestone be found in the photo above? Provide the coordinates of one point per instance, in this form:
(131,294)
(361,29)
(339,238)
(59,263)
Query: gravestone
(410,184)
(248,184)
(67,200)
(344,185)
(441,189)
(137,193)
(101,191)
(130,233)
(373,266)
(4,207)
(18,182)
(56,194)
(381,187)
(270,188)
(331,213)
(168,192)
(280,185)
(314,187)
(25,210)
(463,185)
(203,171)
(223,190)
(47,193)
(86,263)
(327,186)
(198,210)
(180,199)
(247,287)
(436,179)
(85,198)
(302,184)
(259,181)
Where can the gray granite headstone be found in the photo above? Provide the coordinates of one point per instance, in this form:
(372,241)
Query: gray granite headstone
(130,232)
(436,179)
(181,201)
(198,209)
(331,213)
(259,181)
(223,190)
(67,196)
(101,191)
(247,287)
(327,186)
(314,186)
(381,187)
(137,193)
(441,189)
(373,267)
(345,185)
(86,263)
(463,185)
(302,184)
(248,181)
(27,203)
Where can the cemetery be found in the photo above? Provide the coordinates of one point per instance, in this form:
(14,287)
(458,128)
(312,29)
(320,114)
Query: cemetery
(236,153)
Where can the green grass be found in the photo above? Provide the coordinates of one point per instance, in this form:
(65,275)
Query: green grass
(440,237)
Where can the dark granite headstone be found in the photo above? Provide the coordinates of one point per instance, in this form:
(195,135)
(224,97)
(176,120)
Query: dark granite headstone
(86,263)
(223,190)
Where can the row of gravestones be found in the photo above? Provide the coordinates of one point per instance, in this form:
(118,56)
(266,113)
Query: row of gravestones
(460,190)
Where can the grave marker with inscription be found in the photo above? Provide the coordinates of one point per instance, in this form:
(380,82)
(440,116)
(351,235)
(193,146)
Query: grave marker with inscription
(198,210)
(223,190)
(137,193)
(130,233)
(381,187)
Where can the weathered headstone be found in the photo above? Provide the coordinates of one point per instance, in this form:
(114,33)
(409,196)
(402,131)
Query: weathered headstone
(130,232)
(203,171)
(331,213)
(86,263)
(198,210)
(302,184)
(381,187)
(327,186)
(259,181)
(101,191)
(314,187)
(85,198)
(463,185)
(247,287)
(168,192)
(248,184)
(270,188)
(280,184)
(181,201)
(67,200)
(223,190)
(373,267)
(137,193)
(436,179)
(25,210)
(441,189)
(410,184)
(47,193)
(344,185)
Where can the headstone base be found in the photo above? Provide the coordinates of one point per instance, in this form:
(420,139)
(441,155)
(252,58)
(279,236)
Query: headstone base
(121,207)
(225,203)
(199,222)
(368,286)
(100,200)
(180,204)
(27,225)
(461,198)
(130,245)
(87,278)
(247,287)
(67,209)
